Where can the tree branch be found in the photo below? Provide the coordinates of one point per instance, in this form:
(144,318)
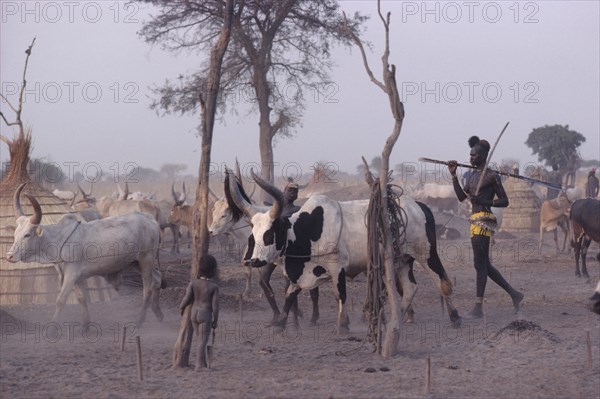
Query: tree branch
(359,44)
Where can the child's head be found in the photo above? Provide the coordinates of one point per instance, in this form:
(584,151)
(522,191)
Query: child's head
(208,266)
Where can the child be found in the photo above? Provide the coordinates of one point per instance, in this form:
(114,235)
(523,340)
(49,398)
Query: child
(203,295)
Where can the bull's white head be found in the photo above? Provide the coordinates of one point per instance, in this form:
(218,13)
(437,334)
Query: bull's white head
(28,231)
(223,218)
(269,230)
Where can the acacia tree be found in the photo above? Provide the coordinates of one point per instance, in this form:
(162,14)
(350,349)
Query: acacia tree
(208,107)
(556,145)
(279,54)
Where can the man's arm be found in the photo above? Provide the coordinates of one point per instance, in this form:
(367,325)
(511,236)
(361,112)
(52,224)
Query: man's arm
(460,194)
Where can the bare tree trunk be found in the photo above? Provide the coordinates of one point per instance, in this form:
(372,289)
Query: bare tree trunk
(20,147)
(200,238)
(389,87)
(265,137)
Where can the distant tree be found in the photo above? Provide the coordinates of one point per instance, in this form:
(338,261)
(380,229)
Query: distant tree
(556,145)
(172,169)
(375,164)
(278,50)
(146,174)
(589,163)
(45,173)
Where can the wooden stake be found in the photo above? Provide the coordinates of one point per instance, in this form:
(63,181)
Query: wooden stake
(442,303)
(352,304)
(241,310)
(123,338)
(138,346)
(209,351)
(427,387)
(588,344)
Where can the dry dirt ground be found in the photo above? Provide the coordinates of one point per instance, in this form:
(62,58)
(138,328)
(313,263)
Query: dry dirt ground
(542,352)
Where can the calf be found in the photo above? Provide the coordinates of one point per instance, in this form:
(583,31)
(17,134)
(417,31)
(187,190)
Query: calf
(585,219)
(182,214)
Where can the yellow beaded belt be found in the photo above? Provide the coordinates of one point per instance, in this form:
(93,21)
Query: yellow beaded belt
(483,224)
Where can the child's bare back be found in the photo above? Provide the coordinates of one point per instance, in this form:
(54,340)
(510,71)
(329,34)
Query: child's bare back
(203,295)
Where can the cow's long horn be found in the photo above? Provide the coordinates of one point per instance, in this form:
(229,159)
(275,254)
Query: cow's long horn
(121,192)
(17,201)
(73,200)
(234,195)
(184,194)
(238,172)
(174,194)
(276,193)
(36,218)
(214,197)
(85,195)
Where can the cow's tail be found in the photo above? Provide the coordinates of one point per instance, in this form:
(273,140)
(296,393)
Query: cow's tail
(433,260)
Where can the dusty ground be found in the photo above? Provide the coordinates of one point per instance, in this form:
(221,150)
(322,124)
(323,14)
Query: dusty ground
(539,353)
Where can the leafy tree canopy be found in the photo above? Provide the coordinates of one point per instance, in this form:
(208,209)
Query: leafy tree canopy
(556,145)
(280,52)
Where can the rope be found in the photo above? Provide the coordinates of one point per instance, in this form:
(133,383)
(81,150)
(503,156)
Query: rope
(376,292)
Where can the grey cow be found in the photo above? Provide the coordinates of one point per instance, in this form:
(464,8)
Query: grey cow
(78,250)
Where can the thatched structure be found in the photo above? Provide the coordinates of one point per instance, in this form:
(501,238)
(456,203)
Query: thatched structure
(523,212)
(30,282)
(22,283)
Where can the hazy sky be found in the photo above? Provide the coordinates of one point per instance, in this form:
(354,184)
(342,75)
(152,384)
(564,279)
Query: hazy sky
(463,68)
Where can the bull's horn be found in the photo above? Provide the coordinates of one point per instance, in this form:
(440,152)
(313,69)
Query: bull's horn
(36,218)
(17,201)
(126,195)
(121,192)
(174,194)
(232,193)
(184,194)
(81,191)
(238,172)
(73,200)
(276,193)
(214,197)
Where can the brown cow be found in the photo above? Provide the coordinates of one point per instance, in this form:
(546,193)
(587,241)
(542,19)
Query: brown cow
(554,214)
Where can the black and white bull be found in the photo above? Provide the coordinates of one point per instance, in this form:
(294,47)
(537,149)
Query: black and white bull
(228,219)
(78,250)
(327,239)
(585,221)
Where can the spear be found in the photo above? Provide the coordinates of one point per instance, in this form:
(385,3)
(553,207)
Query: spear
(516,176)
(489,158)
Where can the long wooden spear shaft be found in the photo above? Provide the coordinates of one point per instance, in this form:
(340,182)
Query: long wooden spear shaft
(489,158)
(516,176)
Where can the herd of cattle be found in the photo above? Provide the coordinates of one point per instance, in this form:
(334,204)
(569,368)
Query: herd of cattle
(326,240)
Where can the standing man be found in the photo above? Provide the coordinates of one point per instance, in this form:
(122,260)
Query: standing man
(482,220)
(592,185)
(290,194)
(555,178)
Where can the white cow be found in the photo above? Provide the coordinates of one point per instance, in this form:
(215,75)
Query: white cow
(78,250)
